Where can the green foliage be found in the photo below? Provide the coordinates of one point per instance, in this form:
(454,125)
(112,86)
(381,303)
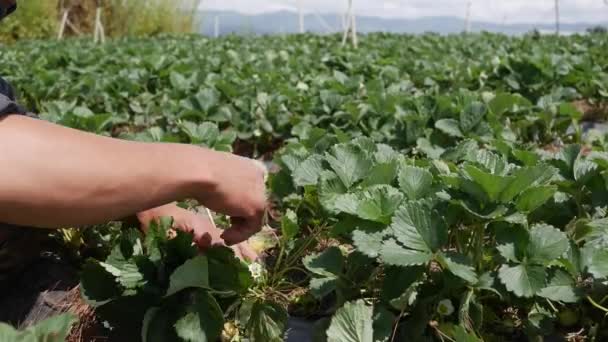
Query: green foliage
(426,187)
(54,329)
(34,20)
(169,290)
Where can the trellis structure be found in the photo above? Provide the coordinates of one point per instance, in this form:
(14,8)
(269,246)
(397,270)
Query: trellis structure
(66,7)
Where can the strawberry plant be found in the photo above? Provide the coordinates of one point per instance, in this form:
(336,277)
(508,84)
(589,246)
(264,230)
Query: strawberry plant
(422,187)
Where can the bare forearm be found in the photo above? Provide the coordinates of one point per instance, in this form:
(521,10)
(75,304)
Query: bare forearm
(54,176)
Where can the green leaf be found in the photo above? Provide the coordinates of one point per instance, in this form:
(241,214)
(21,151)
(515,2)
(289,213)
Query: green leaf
(383,173)
(383,325)
(321,287)
(461,335)
(289,225)
(226,271)
(352,323)
(394,254)
(328,263)
(472,115)
(350,163)
(178,81)
(267,323)
(193,273)
(96,284)
(526,177)
(597,261)
(459,266)
(378,203)
(492,185)
(53,329)
(450,127)
(127,274)
(490,161)
(583,169)
(157,326)
(419,228)
(203,321)
(546,244)
(397,280)
(523,280)
(415,182)
(560,288)
(533,198)
(308,172)
(369,244)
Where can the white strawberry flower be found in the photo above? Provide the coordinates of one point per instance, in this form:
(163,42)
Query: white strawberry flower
(257,270)
(445,307)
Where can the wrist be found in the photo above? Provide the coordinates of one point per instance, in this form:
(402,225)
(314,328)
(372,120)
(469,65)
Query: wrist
(197,172)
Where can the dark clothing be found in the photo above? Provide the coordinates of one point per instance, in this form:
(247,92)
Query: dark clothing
(27,278)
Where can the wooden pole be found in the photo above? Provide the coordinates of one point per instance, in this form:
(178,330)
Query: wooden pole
(217,26)
(557,24)
(353,32)
(301,17)
(64,20)
(467,21)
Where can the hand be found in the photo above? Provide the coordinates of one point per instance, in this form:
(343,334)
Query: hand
(237,190)
(206,234)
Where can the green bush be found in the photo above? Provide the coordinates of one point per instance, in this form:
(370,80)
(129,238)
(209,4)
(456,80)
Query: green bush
(40,19)
(35,19)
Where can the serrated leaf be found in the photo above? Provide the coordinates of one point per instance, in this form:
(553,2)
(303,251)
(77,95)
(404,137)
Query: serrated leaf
(546,244)
(450,127)
(329,263)
(583,169)
(523,280)
(321,287)
(383,325)
(267,322)
(472,115)
(415,182)
(492,185)
(419,228)
(596,261)
(157,326)
(526,177)
(289,225)
(52,329)
(127,274)
(458,266)
(203,320)
(369,244)
(462,335)
(308,172)
(597,234)
(352,323)
(490,161)
(382,173)
(560,288)
(533,198)
(378,203)
(392,253)
(398,279)
(350,163)
(193,273)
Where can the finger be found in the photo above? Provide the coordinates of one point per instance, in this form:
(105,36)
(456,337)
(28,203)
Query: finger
(241,230)
(247,252)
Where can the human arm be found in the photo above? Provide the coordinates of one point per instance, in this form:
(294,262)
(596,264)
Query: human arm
(55,176)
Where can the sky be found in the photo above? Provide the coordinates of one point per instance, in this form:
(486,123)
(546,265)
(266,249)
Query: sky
(497,11)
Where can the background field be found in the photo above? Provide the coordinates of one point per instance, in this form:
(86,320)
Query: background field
(423,187)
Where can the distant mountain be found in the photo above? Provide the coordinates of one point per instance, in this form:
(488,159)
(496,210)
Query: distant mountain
(287,22)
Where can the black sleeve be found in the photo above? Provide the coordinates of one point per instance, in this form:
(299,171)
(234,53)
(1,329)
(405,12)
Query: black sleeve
(7,100)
